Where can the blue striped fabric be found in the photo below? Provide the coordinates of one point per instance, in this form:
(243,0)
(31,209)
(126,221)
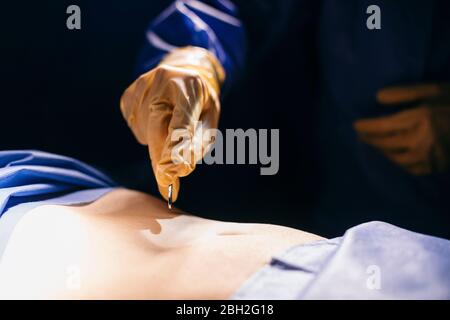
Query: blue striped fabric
(213,25)
(30,176)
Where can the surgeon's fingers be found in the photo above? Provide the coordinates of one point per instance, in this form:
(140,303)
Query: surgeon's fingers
(158,121)
(402,139)
(410,149)
(393,144)
(164,191)
(180,148)
(413,160)
(134,106)
(403,94)
(209,120)
(400,149)
(385,126)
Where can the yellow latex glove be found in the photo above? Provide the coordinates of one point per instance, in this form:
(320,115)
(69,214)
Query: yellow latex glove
(416,139)
(181,91)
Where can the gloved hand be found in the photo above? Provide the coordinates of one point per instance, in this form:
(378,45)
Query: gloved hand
(416,139)
(181,91)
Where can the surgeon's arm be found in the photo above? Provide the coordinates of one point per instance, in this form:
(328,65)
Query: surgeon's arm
(192,50)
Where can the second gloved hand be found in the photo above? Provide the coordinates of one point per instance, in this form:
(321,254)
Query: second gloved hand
(179,97)
(417,139)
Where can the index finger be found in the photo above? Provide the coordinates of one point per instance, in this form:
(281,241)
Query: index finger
(401,121)
(402,94)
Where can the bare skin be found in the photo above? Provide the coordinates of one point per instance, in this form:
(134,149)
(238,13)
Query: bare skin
(128,245)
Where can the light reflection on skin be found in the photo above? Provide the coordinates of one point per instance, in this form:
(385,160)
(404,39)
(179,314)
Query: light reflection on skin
(129,245)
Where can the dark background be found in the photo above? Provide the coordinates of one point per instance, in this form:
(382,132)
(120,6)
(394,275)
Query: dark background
(61,88)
